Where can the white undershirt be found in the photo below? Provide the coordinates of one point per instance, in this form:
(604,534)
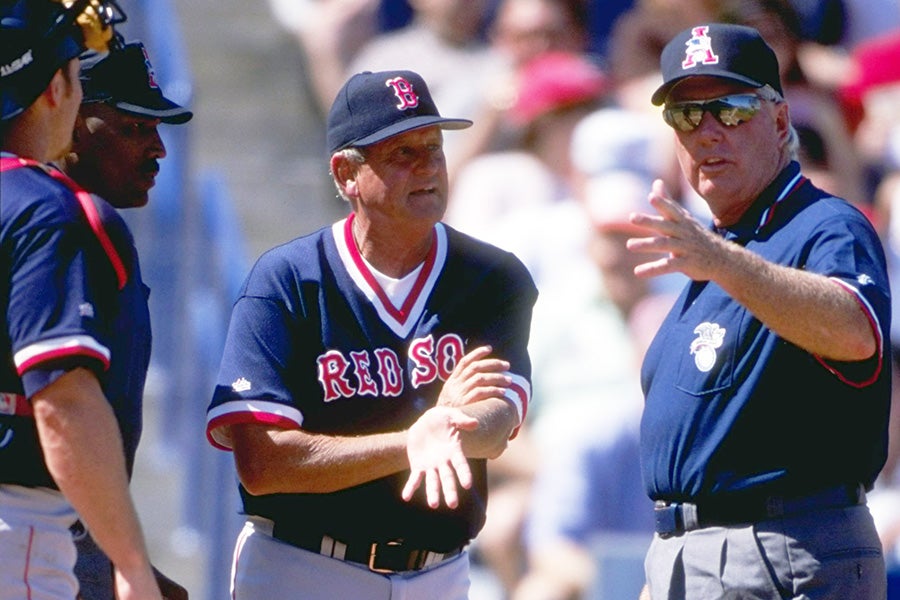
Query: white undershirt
(396,289)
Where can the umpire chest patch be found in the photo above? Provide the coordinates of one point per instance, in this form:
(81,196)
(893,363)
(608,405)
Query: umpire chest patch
(703,348)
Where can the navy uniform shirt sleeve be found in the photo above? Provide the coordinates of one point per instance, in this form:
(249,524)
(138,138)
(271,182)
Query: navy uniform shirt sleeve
(508,309)
(254,372)
(848,250)
(52,313)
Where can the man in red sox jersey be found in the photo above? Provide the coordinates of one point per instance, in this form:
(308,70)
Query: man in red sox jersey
(380,355)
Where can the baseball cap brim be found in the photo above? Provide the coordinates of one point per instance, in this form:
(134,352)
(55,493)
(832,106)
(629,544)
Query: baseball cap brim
(659,96)
(408,125)
(163,109)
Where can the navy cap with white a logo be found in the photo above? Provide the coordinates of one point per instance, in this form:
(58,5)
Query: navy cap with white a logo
(734,52)
(371,107)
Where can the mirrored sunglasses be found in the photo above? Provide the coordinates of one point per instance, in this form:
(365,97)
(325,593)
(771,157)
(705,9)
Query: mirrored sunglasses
(730,111)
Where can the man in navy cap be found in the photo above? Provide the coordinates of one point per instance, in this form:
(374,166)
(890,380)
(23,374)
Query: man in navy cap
(767,387)
(115,153)
(116,146)
(370,369)
(75,339)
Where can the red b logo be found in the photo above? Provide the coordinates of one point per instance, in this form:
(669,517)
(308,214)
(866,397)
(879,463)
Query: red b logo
(404,92)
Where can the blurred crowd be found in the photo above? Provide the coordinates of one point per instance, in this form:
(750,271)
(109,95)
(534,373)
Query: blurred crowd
(565,145)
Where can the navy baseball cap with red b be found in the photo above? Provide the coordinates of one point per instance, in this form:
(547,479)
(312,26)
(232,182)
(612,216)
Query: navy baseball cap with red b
(734,52)
(371,107)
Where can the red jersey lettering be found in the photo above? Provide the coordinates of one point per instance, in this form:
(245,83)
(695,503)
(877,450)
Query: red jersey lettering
(332,366)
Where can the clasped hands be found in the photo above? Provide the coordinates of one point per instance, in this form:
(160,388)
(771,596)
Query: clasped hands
(434,443)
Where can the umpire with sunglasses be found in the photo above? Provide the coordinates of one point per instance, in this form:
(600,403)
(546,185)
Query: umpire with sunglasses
(767,386)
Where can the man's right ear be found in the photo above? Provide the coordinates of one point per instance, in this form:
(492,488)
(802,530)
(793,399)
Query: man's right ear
(56,88)
(343,171)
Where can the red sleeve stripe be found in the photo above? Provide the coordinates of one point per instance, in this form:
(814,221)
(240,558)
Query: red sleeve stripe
(248,411)
(47,350)
(519,394)
(876,329)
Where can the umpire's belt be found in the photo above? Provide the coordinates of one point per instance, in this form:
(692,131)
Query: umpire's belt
(381,557)
(674,518)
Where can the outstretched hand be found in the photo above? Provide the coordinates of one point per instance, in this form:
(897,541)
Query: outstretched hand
(434,449)
(686,245)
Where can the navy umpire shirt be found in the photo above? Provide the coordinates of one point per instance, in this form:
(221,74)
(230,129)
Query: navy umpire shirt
(732,408)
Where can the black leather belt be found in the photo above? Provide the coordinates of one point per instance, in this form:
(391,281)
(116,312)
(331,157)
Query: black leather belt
(675,518)
(394,556)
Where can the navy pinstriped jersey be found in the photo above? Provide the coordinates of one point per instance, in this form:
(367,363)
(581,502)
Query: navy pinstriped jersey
(71,295)
(732,408)
(314,343)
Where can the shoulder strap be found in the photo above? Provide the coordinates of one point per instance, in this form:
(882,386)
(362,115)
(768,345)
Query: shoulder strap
(87,206)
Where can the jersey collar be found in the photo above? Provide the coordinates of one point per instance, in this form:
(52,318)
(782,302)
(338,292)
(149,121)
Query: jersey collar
(400,319)
(763,210)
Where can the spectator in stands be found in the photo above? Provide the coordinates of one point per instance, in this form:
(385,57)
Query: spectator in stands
(330,33)
(521,31)
(601,18)
(870,95)
(862,21)
(500,197)
(637,39)
(524,29)
(576,308)
(495,192)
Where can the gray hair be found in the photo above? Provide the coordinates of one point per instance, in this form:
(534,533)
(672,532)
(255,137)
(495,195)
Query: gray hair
(792,146)
(353,154)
